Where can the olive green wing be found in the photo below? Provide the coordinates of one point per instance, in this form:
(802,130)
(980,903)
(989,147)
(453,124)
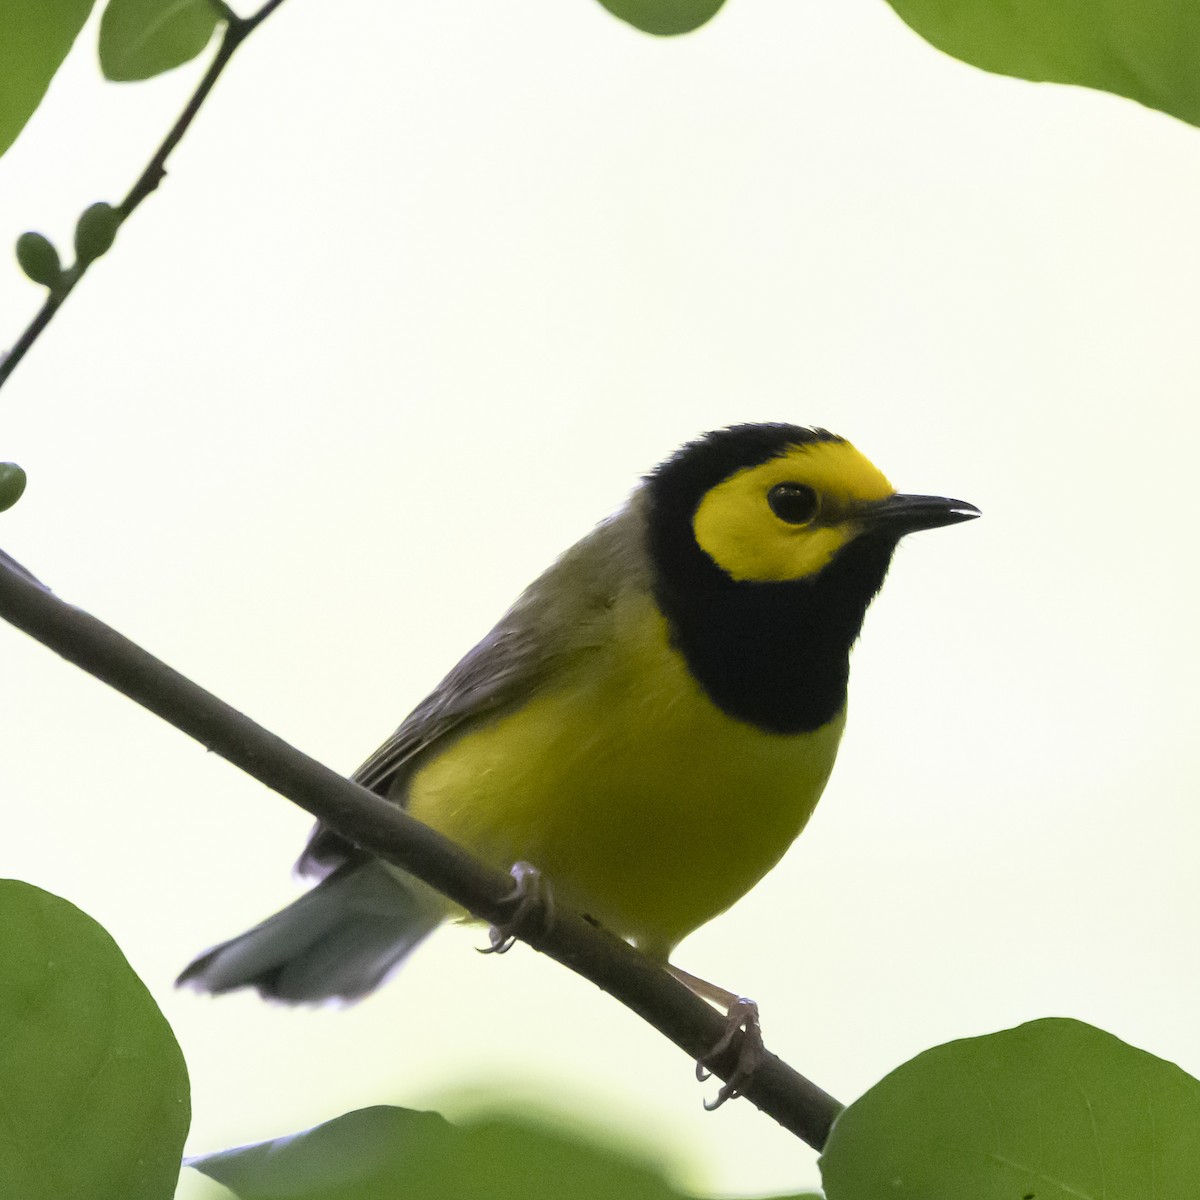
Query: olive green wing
(566,612)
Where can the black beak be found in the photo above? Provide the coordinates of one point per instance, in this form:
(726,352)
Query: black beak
(901,514)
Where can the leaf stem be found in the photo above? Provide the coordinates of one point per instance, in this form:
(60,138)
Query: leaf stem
(224,12)
(237,30)
(387,831)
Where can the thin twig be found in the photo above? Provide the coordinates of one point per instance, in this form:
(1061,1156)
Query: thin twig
(251,23)
(155,170)
(237,30)
(387,831)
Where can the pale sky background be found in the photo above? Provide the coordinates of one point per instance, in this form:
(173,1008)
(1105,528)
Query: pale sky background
(427,289)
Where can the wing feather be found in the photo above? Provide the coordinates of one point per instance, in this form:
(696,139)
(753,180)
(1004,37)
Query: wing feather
(565,612)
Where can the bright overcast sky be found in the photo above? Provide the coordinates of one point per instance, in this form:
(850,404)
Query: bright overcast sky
(423,295)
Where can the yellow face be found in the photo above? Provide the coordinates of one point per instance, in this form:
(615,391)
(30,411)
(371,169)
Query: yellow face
(786,518)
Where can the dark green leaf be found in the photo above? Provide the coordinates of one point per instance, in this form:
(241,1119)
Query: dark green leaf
(1052,1110)
(38,258)
(394,1154)
(141,38)
(664,17)
(12,484)
(95,231)
(359,1150)
(93,1088)
(1148,50)
(35,36)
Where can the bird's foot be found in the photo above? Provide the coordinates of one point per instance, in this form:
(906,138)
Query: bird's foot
(531,898)
(742,1015)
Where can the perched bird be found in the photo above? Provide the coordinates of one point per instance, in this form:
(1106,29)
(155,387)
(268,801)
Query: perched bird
(650,725)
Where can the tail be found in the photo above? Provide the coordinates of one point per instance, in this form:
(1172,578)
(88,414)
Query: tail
(339,940)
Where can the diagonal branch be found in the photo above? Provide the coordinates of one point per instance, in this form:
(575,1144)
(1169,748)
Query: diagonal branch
(237,30)
(389,832)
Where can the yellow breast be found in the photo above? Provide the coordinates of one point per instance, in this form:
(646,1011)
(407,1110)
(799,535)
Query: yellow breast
(643,804)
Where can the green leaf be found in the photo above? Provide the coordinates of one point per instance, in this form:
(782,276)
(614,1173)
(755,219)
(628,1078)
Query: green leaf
(93,1087)
(141,38)
(1147,50)
(394,1153)
(1052,1110)
(664,17)
(356,1151)
(34,39)
(95,232)
(37,257)
(12,484)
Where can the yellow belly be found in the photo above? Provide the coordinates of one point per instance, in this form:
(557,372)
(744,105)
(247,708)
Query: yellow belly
(642,803)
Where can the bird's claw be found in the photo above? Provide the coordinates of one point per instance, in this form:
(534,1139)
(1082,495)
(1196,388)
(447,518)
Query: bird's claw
(743,1016)
(531,896)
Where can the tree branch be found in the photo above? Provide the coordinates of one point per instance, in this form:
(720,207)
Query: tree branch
(237,30)
(390,833)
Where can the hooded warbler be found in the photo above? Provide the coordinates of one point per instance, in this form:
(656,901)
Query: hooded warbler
(650,725)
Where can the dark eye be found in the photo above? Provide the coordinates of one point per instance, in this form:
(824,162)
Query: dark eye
(793,503)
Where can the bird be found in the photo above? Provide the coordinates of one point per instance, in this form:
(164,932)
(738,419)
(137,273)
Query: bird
(649,726)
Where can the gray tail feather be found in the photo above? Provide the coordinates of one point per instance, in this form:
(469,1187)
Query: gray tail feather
(338,941)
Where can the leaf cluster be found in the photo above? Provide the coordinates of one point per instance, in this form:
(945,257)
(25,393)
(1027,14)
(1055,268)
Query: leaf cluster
(1146,50)
(95,1104)
(138,39)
